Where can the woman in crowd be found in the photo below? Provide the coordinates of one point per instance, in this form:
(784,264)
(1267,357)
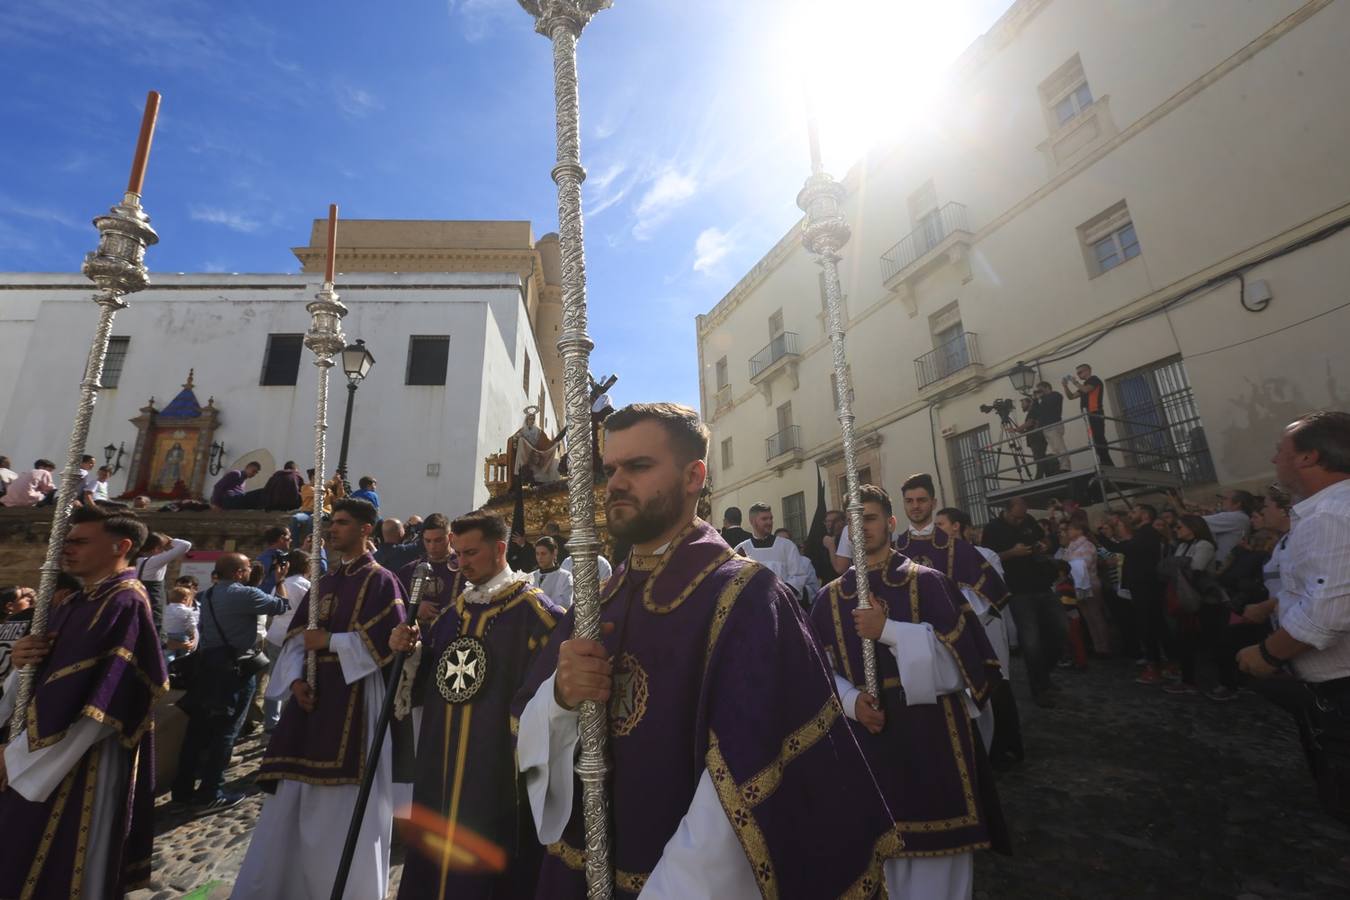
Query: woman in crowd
(1195,545)
(1081,554)
(159,552)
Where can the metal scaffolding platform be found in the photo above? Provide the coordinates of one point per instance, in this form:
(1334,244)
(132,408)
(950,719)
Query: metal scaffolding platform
(1010,470)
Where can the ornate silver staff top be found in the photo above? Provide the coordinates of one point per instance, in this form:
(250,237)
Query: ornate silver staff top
(117,269)
(562,22)
(324,339)
(824,233)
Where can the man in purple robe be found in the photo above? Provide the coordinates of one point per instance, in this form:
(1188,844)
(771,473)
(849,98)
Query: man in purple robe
(447,580)
(77,784)
(474,655)
(932,660)
(933,544)
(317,755)
(732,770)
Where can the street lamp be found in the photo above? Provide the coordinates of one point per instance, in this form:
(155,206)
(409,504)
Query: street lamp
(109,452)
(1023,377)
(356,363)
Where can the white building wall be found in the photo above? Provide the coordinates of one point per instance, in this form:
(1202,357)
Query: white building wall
(218,326)
(1223,131)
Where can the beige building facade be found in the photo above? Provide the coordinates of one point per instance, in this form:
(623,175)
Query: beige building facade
(1157,189)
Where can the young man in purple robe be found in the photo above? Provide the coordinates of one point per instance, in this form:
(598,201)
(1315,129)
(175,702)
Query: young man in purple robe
(317,755)
(472,658)
(938,546)
(732,770)
(447,580)
(932,660)
(77,784)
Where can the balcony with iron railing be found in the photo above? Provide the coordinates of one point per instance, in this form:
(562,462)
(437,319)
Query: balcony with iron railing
(960,355)
(942,230)
(776,355)
(785,446)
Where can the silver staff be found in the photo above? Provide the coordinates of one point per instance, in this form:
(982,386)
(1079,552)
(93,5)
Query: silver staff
(117,268)
(562,22)
(324,339)
(824,233)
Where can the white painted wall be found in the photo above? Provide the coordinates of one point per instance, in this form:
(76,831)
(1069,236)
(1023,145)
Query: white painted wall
(218,325)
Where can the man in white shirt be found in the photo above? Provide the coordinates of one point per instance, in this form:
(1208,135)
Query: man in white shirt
(777,554)
(88,481)
(6,474)
(1231,523)
(1312,461)
(549,577)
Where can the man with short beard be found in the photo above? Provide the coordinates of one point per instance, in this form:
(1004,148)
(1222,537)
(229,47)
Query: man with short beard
(711,653)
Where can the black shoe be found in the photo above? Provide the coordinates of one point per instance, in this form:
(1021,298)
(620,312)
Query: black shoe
(220,803)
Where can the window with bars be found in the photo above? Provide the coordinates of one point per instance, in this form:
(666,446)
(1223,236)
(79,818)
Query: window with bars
(972,470)
(428,358)
(794,515)
(1160,423)
(114,361)
(281,362)
(726,454)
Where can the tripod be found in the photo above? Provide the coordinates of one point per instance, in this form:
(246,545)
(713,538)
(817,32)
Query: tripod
(1014,447)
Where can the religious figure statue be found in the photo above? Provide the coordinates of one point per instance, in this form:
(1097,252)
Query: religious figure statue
(172,471)
(534,457)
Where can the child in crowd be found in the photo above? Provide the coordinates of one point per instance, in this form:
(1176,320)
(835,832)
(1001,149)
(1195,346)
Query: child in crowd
(180,623)
(1082,556)
(1076,653)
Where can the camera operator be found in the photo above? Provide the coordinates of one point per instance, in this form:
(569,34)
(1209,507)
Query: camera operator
(1091,394)
(1036,439)
(225,678)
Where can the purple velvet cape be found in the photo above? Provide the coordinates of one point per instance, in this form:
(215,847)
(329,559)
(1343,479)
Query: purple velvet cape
(924,758)
(466,767)
(329,745)
(106,665)
(959,561)
(716,667)
(447,584)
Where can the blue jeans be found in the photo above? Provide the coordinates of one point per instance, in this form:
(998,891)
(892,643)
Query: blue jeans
(271,708)
(216,704)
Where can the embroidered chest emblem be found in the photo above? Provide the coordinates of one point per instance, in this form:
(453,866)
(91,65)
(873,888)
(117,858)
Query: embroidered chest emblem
(925,561)
(462,669)
(628,702)
(433,587)
(326,604)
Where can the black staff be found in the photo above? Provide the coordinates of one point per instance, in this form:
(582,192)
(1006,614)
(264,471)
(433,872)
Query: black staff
(419,580)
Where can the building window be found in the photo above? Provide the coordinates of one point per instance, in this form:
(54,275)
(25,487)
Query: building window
(428,358)
(721,369)
(1109,240)
(1066,94)
(794,515)
(524,381)
(972,469)
(1160,426)
(776,324)
(864,477)
(785,416)
(281,362)
(726,454)
(115,360)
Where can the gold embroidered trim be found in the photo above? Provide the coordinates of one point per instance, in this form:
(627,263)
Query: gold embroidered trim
(86,816)
(575,860)
(760,787)
(836,594)
(888,846)
(651,606)
(49,833)
(725,601)
(742,821)
(950,704)
(348,718)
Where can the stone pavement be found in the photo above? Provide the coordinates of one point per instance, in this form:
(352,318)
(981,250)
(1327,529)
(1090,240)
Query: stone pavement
(1127,793)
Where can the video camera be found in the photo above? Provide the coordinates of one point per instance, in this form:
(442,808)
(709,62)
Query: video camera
(1003,407)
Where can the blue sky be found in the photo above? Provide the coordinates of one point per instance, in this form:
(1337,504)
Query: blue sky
(426,109)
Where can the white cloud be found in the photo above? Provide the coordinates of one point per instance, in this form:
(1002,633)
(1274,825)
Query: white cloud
(477,18)
(668,192)
(235,221)
(357,103)
(710,248)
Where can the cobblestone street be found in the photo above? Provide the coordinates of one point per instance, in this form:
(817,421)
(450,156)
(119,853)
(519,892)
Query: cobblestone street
(1127,793)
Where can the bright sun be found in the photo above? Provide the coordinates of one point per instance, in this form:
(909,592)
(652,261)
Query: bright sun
(872,67)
